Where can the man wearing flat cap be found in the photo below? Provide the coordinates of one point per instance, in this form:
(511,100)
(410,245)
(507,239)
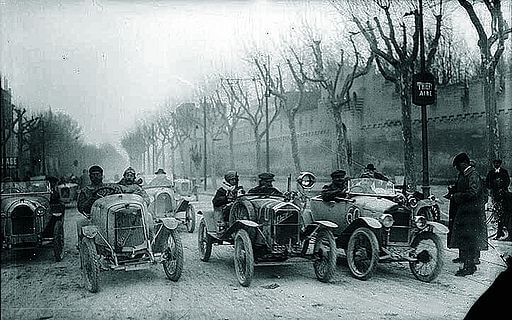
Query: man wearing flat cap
(337,188)
(85,198)
(265,186)
(467,200)
(497,181)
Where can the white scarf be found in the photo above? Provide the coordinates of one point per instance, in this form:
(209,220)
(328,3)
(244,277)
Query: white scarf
(226,186)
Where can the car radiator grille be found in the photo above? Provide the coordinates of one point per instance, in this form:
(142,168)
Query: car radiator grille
(129,229)
(286,226)
(23,220)
(163,204)
(401,225)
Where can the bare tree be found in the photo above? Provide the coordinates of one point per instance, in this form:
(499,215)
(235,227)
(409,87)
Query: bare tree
(253,112)
(337,85)
(396,62)
(491,43)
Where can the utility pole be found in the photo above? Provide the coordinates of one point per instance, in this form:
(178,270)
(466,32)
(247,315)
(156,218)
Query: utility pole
(267,133)
(204,137)
(43,146)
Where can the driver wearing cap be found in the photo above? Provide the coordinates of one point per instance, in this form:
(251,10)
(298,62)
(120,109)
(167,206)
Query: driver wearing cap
(337,188)
(265,185)
(129,185)
(85,199)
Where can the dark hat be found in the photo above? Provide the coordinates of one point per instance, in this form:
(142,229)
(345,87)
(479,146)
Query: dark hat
(230,175)
(160,171)
(370,166)
(95,168)
(461,157)
(338,173)
(129,170)
(266,176)
(497,161)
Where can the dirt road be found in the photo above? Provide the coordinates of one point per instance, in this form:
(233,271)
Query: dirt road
(35,287)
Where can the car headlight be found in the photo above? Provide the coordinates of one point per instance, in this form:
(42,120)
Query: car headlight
(40,211)
(421,222)
(387,220)
(432,198)
(413,202)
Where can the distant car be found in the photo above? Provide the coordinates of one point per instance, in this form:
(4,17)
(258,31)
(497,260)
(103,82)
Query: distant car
(29,219)
(68,192)
(123,235)
(378,224)
(166,203)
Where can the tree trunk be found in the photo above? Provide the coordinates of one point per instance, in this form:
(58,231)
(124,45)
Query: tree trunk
(341,142)
(213,165)
(293,142)
(231,150)
(173,161)
(257,141)
(182,161)
(163,155)
(492,134)
(406,99)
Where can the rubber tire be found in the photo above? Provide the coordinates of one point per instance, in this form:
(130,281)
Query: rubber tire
(204,242)
(90,264)
(58,240)
(374,257)
(243,242)
(330,262)
(174,275)
(440,256)
(191,224)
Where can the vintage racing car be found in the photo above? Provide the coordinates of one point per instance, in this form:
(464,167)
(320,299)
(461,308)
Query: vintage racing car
(123,235)
(29,219)
(166,203)
(378,224)
(267,230)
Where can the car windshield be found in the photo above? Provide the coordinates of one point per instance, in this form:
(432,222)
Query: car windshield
(25,187)
(371,186)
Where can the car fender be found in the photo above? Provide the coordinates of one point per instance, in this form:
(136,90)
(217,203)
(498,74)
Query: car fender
(437,227)
(90,231)
(248,223)
(326,223)
(371,222)
(170,223)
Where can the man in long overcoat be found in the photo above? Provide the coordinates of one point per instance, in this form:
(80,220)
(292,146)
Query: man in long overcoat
(497,182)
(467,199)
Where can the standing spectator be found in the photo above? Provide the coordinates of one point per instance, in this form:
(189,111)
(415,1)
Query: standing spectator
(84,180)
(467,199)
(497,182)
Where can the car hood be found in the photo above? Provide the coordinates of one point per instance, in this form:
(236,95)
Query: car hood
(375,204)
(11,202)
(152,192)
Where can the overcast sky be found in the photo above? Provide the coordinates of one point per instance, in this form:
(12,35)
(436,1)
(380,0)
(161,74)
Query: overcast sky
(106,63)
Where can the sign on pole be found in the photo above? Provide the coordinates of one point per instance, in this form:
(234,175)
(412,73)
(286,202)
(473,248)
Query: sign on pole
(423,89)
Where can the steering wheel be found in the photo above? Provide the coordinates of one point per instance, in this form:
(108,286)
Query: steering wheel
(106,191)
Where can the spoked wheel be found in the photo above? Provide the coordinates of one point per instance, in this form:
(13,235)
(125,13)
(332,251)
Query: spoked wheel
(190,219)
(429,252)
(58,240)
(90,263)
(204,241)
(244,258)
(362,253)
(325,253)
(173,257)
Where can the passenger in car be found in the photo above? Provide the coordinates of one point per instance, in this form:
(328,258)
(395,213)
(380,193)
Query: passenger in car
(337,188)
(129,186)
(225,196)
(265,185)
(371,172)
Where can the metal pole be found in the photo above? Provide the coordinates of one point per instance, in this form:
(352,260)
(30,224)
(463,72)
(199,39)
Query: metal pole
(43,146)
(424,119)
(204,137)
(267,135)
